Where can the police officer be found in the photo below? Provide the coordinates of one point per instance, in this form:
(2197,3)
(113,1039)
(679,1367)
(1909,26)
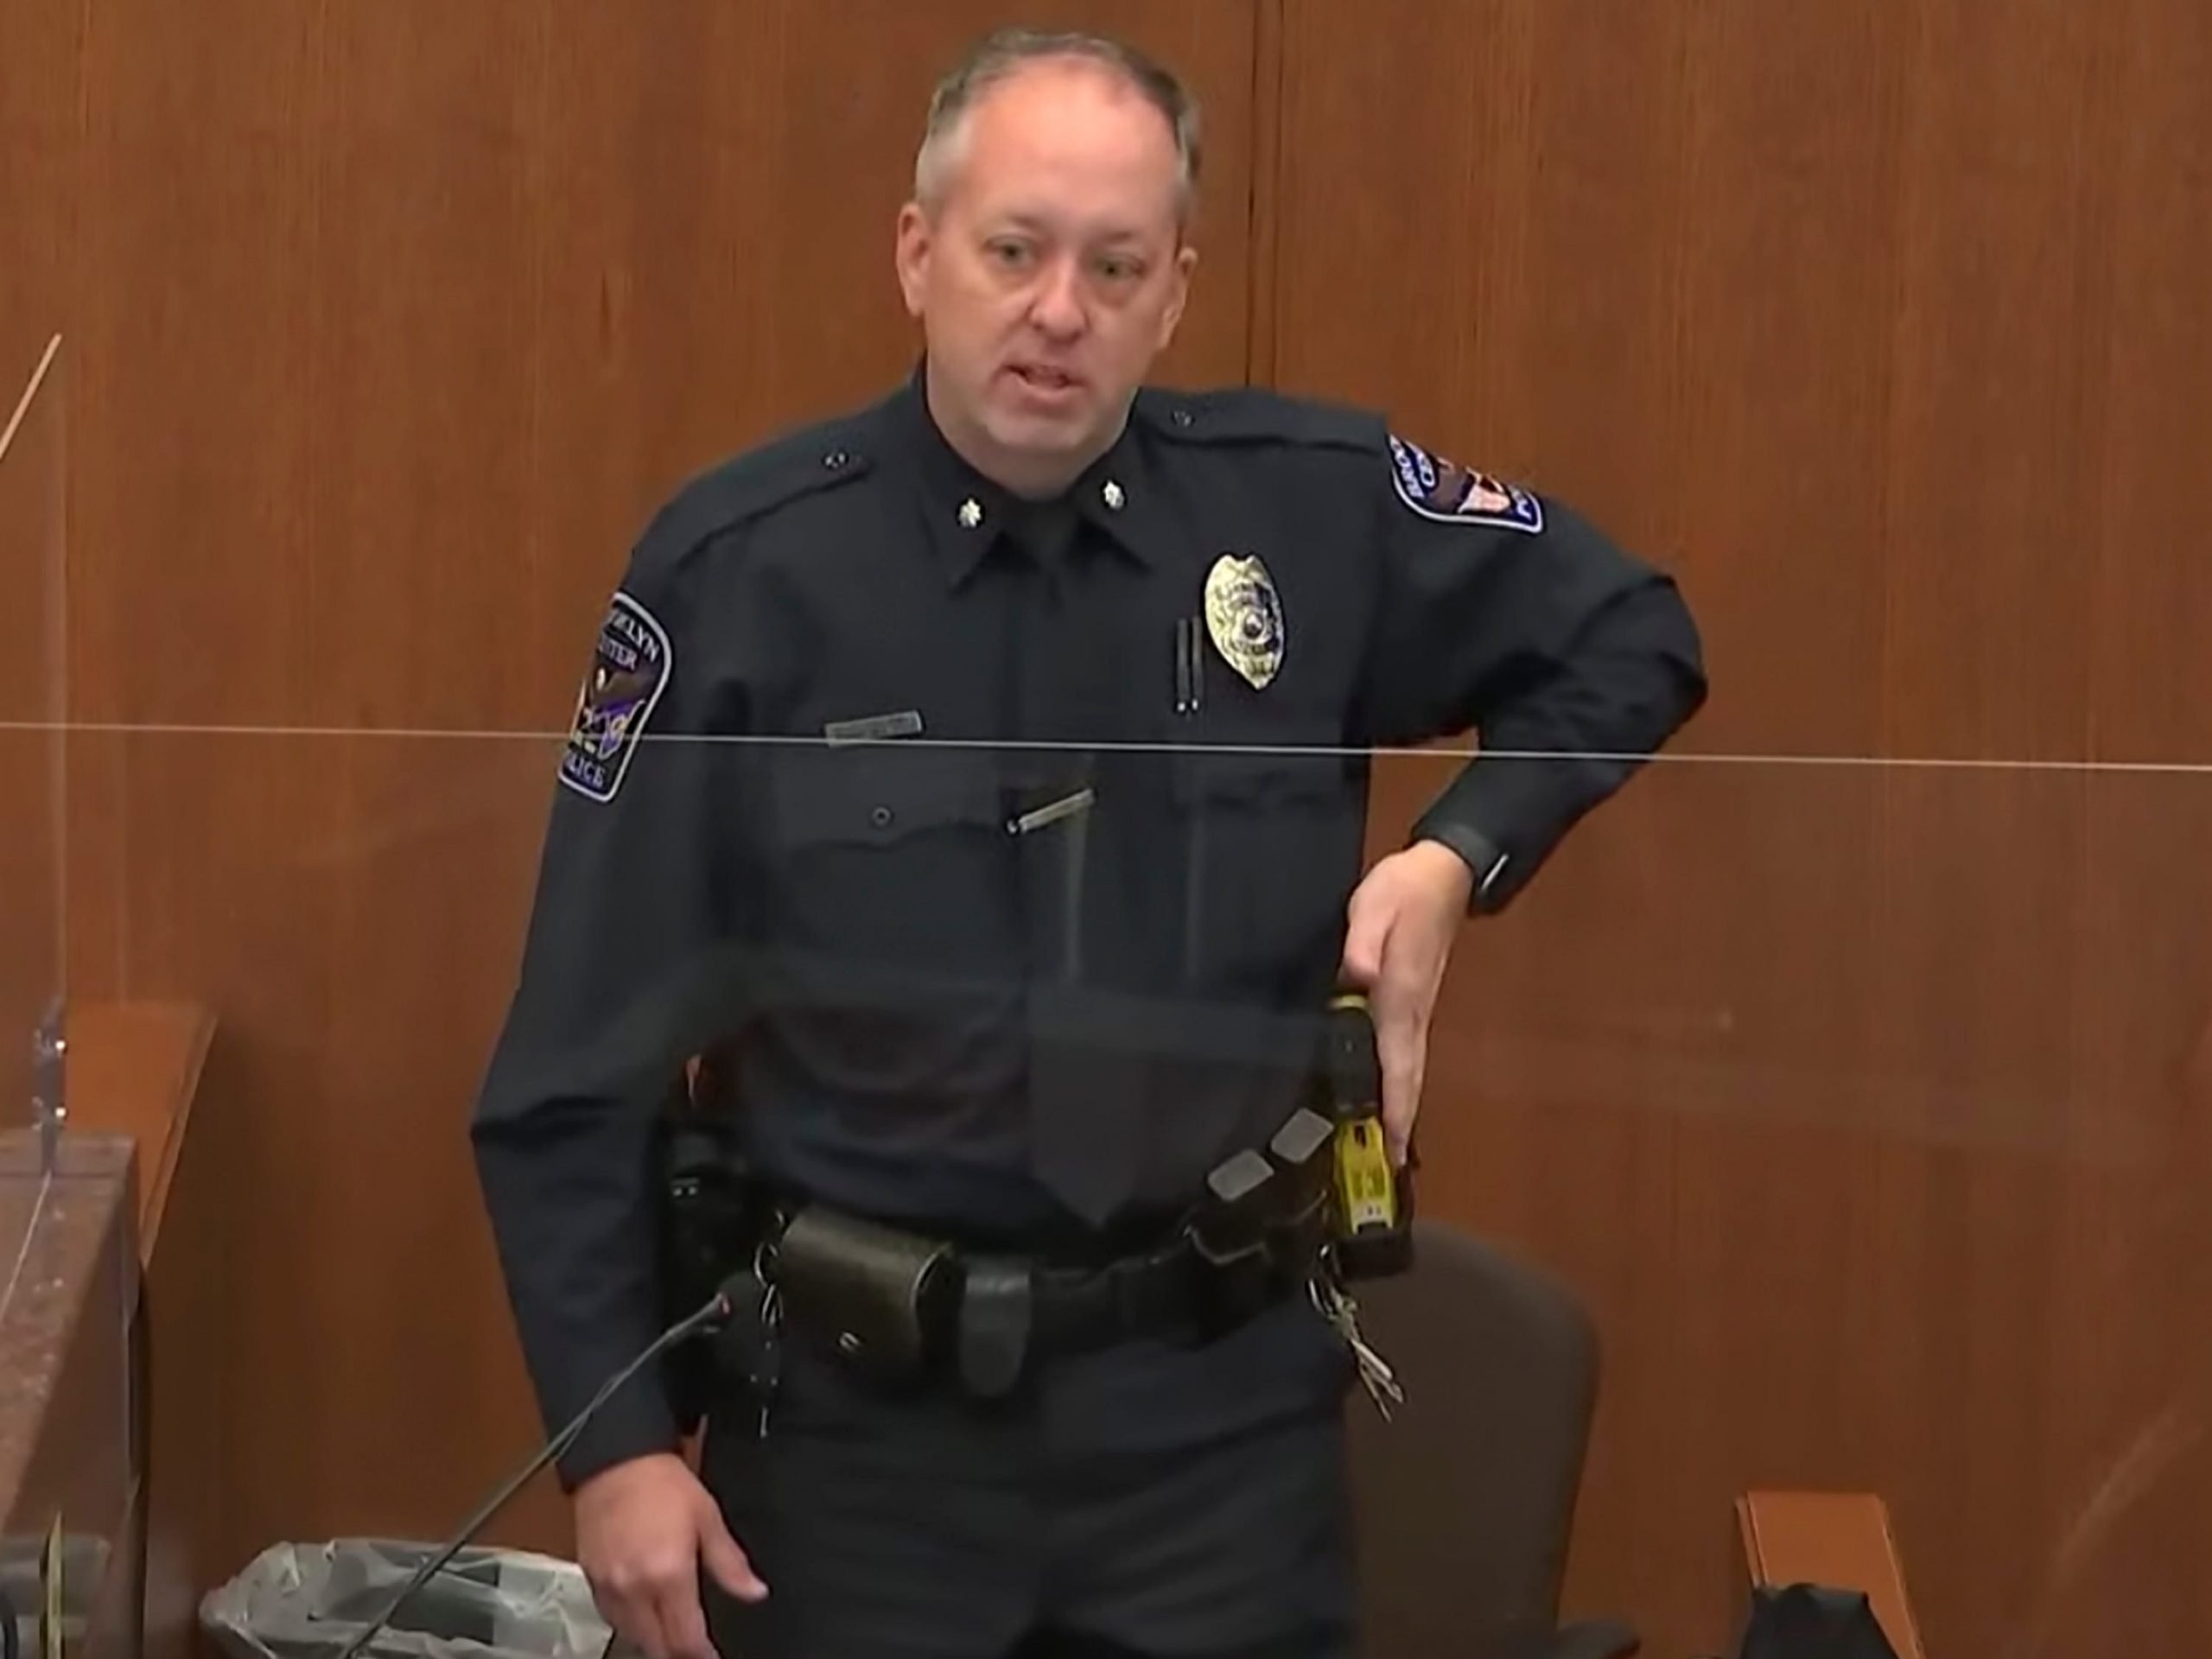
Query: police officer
(987,765)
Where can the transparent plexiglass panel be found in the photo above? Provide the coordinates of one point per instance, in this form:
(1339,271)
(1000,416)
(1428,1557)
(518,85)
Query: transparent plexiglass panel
(71,1457)
(33,706)
(1863,1107)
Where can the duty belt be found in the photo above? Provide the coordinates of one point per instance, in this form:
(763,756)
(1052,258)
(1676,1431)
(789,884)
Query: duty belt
(901,1308)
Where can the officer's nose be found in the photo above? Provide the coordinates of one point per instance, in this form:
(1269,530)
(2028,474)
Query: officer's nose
(1056,311)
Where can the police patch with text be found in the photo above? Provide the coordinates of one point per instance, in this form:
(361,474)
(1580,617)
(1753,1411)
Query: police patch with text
(629,671)
(1451,493)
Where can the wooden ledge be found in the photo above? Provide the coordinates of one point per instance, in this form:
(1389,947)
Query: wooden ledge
(134,1068)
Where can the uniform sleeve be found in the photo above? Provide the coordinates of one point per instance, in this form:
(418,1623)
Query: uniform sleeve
(629,905)
(1506,613)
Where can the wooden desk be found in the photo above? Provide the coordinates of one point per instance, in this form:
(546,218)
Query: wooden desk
(69,1465)
(135,1070)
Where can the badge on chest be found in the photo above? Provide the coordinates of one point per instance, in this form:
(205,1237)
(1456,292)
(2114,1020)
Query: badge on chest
(1245,618)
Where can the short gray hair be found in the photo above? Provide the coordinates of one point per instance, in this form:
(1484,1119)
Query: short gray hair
(999,57)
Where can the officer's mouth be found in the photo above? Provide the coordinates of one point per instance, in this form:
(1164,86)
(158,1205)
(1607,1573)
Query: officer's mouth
(1044,383)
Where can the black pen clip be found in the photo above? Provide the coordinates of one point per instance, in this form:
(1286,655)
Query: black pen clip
(1190,671)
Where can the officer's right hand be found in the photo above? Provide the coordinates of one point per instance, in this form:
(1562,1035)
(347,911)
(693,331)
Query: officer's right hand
(642,1529)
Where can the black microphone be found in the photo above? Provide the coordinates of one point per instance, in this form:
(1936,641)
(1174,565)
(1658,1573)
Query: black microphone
(712,1316)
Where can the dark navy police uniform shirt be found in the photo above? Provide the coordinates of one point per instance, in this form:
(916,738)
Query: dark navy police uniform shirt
(1014,841)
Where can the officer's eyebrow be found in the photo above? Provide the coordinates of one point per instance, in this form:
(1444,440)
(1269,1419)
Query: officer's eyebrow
(1037,224)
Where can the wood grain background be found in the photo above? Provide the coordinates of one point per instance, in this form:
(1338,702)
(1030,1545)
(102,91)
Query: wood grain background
(1864,1101)
(1860,1100)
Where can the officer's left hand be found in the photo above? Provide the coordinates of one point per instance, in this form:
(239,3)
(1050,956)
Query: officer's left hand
(1402,921)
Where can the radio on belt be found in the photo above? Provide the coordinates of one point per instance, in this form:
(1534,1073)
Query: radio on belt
(1372,1204)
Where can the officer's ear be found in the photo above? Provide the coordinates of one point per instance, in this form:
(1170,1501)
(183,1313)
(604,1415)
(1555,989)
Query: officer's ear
(1178,298)
(915,240)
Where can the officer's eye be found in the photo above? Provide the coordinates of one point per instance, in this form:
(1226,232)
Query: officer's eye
(1011,254)
(1121,268)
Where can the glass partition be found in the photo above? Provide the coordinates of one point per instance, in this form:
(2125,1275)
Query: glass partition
(32,705)
(1862,1104)
(71,1454)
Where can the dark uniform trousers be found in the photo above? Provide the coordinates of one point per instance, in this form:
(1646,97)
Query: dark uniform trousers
(1152,1499)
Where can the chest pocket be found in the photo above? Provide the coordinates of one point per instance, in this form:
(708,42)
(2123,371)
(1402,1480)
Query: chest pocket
(1272,844)
(890,855)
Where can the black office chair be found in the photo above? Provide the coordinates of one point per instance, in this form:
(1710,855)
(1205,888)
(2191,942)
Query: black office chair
(1466,1499)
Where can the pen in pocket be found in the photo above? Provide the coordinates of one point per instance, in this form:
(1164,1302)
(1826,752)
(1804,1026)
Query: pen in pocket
(1189,672)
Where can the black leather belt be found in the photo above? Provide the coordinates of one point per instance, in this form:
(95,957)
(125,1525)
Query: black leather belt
(1153,1295)
(901,1306)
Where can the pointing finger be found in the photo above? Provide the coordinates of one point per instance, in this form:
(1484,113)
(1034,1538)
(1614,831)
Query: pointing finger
(1399,1044)
(726,1560)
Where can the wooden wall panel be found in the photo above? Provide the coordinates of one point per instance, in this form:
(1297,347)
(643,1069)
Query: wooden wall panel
(1862,1099)
(41,97)
(397,237)
(2144,468)
(396,321)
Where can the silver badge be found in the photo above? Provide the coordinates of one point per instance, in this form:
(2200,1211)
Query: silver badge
(1244,616)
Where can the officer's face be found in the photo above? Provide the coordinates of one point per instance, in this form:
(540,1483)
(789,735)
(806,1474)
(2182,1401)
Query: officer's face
(1051,273)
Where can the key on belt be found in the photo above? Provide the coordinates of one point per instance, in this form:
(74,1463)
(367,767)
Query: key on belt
(1336,1305)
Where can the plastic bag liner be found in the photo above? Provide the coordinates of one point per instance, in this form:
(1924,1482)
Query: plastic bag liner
(307,1601)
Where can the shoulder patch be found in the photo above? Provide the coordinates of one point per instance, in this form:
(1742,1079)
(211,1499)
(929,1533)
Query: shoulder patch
(629,671)
(1250,415)
(1450,493)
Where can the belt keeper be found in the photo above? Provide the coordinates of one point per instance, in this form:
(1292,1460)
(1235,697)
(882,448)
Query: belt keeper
(997,1313)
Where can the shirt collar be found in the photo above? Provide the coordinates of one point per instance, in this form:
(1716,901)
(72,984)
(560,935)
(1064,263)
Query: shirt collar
(1117,495)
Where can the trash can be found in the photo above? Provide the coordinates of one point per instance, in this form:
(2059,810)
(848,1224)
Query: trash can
(308,1601)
